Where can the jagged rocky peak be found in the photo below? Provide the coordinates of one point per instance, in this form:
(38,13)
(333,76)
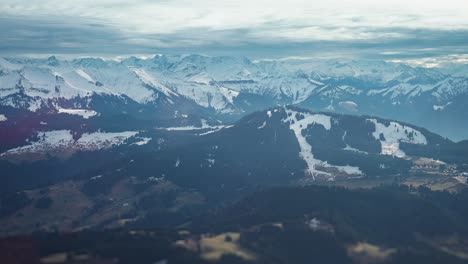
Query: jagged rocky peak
(90,62)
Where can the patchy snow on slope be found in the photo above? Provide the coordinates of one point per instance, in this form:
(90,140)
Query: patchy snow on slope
(148,79)
(313,164)
(72,86)
(47,140)
(461,179)
(349,106)
(352,170)
(316,82)
(62,141)
(96,177)
(143,141)
(85,113)
(104,140)
(308,119)
(219,128)
(3,118)
(35,105)
(211,162)
(201,78)
(441,107)
(85,76)
(349,148)
(6,65)
(391,136)
(262,126)
(229,94)
(204,125)
(184,128)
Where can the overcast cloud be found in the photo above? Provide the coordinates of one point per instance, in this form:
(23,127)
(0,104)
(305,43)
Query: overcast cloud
(397,29)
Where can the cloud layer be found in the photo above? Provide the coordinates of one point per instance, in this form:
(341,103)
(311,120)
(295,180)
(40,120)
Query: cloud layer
(255,28)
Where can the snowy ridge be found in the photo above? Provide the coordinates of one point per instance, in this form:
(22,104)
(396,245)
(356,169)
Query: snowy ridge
(216,82)
(150,80)
(62,142)
(299,121)
(391,136)
(85,76)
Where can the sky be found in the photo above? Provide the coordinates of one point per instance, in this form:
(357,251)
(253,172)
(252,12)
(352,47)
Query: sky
(412,30)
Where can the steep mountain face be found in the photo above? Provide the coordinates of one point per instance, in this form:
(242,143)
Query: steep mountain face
(226,87)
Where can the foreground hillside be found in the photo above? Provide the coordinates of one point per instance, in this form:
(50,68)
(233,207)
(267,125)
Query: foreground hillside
(76,178)
(393,224)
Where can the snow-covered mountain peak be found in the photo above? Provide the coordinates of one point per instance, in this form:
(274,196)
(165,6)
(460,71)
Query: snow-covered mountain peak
(235,85)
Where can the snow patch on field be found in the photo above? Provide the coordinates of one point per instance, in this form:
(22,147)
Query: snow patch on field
(3,118)
(313,164)
(391,136)
(187,128)
(143,141)
(204,125)
(85,113)
(103,140)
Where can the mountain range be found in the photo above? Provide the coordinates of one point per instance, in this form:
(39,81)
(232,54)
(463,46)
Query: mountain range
(227,88)
(196,159)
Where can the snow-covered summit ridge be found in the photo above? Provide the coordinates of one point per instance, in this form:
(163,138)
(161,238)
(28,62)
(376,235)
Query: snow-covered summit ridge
(216,82)
(62,143)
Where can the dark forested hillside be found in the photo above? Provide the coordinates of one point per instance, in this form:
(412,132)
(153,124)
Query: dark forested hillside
(388,224)
(166,175)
